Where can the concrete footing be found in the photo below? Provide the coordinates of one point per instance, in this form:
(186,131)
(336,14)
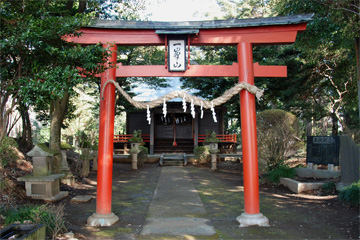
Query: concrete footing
(316,173)
(102,220)
(247,220)
(298,187)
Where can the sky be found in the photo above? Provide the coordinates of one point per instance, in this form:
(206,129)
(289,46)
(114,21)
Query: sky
(175,10)
(182,10)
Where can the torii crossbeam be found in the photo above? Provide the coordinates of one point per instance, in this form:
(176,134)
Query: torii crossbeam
(243,33)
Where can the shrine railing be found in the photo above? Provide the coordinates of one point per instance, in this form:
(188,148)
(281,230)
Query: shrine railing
(224,138)
(227,138)
(124,138)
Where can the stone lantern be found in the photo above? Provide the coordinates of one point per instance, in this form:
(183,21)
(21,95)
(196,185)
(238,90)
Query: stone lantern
(213,149)
(134,154)
(41,184)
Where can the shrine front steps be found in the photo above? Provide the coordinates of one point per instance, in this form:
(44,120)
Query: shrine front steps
(173,159)
(169,146)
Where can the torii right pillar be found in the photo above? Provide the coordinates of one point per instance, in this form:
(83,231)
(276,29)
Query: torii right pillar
(252,215)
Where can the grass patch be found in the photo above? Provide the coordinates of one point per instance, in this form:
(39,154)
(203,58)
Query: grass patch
(351,194)
(282,172)
(113,232)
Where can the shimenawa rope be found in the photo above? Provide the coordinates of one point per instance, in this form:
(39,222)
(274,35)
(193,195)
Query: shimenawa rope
(190,98)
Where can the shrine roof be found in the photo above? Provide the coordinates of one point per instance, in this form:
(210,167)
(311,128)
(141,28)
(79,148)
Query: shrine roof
(213,24)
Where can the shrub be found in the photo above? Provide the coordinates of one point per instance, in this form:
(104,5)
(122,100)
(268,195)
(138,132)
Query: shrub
(142,156)
(51,216)
(278,133)
(351,194)
(136,136)
(211,136)
(8,152)
(329,187)
(202,154)
(282,171)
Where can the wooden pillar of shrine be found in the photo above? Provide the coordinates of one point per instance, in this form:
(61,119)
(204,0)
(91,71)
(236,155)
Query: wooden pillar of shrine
(103,215)
(252,215)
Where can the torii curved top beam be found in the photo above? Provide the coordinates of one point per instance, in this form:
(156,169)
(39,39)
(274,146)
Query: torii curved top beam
(274,30)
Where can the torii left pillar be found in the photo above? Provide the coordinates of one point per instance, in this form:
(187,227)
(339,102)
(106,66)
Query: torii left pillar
(103,215)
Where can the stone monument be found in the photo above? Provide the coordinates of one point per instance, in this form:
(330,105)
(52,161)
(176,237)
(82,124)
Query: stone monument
(349,162)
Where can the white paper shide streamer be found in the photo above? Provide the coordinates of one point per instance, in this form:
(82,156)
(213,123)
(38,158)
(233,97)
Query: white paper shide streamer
(192,108)
(148,115)
(213,112)
(184,103)
(202,110)
(164,108)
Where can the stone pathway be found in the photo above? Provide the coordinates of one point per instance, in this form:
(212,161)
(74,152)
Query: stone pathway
(176,208)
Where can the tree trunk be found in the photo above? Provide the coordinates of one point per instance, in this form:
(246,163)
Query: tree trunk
(335,125)
(5,112)
(309,128)
(57,113)
(26,139)
(357,51)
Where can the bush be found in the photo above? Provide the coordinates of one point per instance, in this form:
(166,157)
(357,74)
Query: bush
(211,137)
(202,154)
(142,156)
(278,133)
(136,137)
(8,153)
(329,187)
(282,171)
(51,216)
(351,194)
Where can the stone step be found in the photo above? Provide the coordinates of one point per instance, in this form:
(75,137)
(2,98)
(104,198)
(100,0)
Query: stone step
(173,159)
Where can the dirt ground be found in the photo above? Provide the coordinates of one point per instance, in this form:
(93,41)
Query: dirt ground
(292,216)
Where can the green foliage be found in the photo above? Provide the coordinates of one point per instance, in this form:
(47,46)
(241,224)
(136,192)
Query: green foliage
(142,156)
(329,187)
(8,152)
(278,136)
(84,140)
(211,136)
(327,56)
(351,194)
(202,154)
(51,216)
(136,138)
(282,171)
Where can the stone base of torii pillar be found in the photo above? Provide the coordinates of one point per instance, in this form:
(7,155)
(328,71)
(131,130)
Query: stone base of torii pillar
(102,220)
(247,220)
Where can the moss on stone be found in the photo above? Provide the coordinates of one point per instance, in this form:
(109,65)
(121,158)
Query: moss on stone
(65,146)
(47,149)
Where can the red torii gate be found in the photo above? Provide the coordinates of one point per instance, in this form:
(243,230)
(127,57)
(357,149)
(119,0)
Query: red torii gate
(240,32)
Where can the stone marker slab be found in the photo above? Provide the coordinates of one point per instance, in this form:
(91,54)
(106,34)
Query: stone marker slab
(81,198)
(349,160)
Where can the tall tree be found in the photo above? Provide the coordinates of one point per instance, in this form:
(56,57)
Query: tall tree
(328,49)
(46,65)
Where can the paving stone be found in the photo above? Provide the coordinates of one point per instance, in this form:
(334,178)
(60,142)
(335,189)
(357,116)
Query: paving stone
(81,198)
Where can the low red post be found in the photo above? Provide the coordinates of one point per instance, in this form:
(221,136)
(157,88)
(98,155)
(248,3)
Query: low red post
(103,215)
(252,215)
